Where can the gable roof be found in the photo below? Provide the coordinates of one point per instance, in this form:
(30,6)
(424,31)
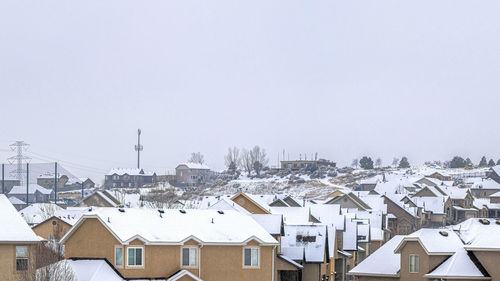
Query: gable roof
(458,266)
(16,229)
(175,227)
(85,270)
(433,242)
(183,273)
(195,166)
(272,223)
(129,171)
(32,188)
(383,262)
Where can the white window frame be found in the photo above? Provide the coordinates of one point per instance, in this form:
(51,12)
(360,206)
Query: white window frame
(142,258)
(258,258)
(27,258)
(123,256)
(416,265)
(196,255)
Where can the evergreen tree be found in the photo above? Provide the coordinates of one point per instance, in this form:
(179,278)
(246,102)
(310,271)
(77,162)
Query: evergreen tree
(366,163)
(404,163)
(483,162)
(457,162)
(491,163)
(468,162)
(498,162)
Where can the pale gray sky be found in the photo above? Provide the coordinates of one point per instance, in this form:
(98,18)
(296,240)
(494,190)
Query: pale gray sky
(341,78)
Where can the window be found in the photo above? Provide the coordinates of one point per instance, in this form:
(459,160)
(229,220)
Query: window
(134,256)
(119,256)
(189,257)
(21,258)
(413,263)
(251,257)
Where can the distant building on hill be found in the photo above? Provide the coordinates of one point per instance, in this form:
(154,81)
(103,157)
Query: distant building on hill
(36,193)
(192,174)
(64,183)
(306,164)
(128,178)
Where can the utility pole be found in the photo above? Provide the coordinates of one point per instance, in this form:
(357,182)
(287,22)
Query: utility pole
(55,182)
(3,178)
(82,190)
(19,146)
(27,184)
(138,148)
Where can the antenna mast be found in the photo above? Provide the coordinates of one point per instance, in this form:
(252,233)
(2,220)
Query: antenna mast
(138,148)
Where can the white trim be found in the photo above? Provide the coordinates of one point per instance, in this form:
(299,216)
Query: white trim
(183,273)
(142,258)
(258,257)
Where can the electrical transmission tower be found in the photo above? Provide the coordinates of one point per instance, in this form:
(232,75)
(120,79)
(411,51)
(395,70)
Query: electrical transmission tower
(19,146)
(138,148)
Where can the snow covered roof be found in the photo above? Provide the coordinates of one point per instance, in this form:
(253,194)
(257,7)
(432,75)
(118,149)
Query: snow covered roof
(458,266)
(16,201)
(38,212)
(350,236)
(227,204)
(71,215)
(328,214)
(291,261)
(309,239)
(430,204)
(83,270)
(486,184)
(178,226)
(32,188)
(433,241)
(479,236)
(196,166)
(129,171)
(384,261)
(15,228)
(297,215)
(270,222)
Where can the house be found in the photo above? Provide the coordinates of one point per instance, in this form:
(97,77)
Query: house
(192,174)
(494,173)
(36,193)
(57,225)
(18,204)
(128,178)
(307,245)
(306,164)
(17,243)
(349,200)
(467,251)
(402,218)
(47,180)
(442,176)
(8,183)
(99,199)
(251,203)
(484,188)
(158,244)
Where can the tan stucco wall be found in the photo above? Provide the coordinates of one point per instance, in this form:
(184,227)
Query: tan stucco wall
(8,262)
(95,201)
(92,240)
(45,228)
(490,262)
(311,272)
(426,263)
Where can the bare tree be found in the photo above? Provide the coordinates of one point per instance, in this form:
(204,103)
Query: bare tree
(44,264)
(246,161)
(259,159)
(355,162)
(197,157)
(395,162)
(378,162)
(232,158)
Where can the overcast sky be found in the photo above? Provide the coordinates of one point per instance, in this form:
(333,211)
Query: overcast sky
(341,78)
